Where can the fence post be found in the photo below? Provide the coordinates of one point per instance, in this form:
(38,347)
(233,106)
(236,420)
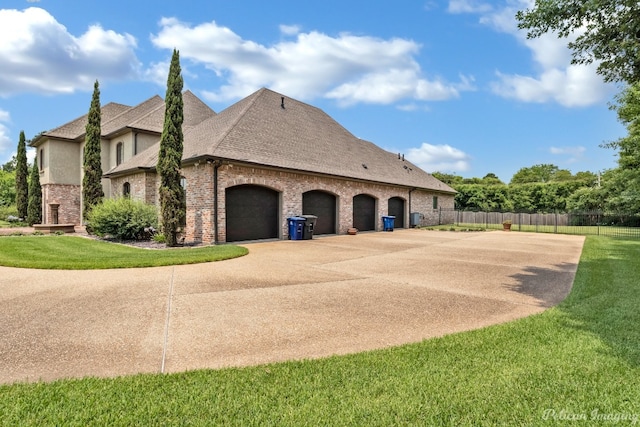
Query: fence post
(519,221)
(555,222)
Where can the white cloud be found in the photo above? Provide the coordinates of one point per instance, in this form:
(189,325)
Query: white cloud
(5,141)
(347,68)
(38,54)
(468,6)
(439,158)
(574,154)
(556,80)
(290,30)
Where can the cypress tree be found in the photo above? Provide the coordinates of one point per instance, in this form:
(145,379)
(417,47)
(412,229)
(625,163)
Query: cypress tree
(172,202)
(92,193)
(22,172)
(34,208)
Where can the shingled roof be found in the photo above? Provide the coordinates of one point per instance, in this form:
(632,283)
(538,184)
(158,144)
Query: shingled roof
(75,129)
(269,129)
(147,116)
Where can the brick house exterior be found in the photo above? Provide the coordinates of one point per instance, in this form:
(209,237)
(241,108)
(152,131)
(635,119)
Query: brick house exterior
(263,158)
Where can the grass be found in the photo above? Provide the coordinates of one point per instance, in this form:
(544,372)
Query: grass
(14,224)
(580,360)
(78,253)
(582,230)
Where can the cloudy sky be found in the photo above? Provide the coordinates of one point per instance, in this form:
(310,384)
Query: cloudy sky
(453,85)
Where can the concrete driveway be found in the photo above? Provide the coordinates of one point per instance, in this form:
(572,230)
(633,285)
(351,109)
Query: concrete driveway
(285,300)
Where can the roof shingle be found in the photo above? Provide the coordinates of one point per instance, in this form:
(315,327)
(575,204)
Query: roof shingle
(268,129)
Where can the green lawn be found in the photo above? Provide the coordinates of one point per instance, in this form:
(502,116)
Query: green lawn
(79,253)
(580,360)
(582,230)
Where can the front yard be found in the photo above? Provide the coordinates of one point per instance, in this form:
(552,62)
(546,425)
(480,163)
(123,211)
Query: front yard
(80,253)
(579,361)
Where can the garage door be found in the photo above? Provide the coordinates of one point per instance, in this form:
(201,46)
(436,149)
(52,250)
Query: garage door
(252,213)
(396,208)
(322,205)
(364,212)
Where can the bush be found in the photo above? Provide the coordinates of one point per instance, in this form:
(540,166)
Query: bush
(123,219)
(7,211)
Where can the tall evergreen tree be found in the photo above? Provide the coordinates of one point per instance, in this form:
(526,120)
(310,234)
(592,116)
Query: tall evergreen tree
(92,193)
(22,172)
(172,201)
(34,208)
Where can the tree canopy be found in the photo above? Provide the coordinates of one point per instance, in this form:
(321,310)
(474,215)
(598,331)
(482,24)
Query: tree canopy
(606,32)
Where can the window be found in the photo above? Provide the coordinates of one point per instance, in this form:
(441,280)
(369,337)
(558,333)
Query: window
(126,189)
(119,153)
(435,202)
(41,158)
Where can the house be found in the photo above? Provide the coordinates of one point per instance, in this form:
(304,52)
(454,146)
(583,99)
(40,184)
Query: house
(246,170)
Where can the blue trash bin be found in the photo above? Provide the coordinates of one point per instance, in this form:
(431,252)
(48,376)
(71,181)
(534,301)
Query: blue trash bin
(388,221)
(296,227)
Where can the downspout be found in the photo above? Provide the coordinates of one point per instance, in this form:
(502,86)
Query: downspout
(216,165)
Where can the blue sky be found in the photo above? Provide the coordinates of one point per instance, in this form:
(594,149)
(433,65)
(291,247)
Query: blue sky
(453,84)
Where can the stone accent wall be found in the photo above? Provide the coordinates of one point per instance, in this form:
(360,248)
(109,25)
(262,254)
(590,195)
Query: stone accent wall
(142,185)
(67,197)
(291,186)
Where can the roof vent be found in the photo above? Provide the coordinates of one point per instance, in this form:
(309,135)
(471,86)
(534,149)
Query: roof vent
(282,102)
(365,166)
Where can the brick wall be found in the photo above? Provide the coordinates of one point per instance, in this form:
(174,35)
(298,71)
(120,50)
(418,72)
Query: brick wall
(291,186)
(142,185)
(67,197)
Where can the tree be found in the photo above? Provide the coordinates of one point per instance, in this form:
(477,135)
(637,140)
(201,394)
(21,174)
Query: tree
(7,188)
(34,208)
(606,31)
(92,192)
(447,178)
(623,183)
(22,185)
(491,179)
(10,166)
(172,201)
(536,173)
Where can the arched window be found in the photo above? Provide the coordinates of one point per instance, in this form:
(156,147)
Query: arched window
(126,189)
(119,153)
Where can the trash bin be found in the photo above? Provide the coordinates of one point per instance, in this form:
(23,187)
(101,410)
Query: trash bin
(309,225)
(296,227)
(388,221)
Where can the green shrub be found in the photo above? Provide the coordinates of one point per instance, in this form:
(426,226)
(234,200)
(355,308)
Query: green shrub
(159,238)
(123,219)
(7,211)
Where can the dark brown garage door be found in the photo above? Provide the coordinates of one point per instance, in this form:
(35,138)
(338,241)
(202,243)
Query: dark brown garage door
(364,212)
(322,205)
(396,208)
(252,213)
